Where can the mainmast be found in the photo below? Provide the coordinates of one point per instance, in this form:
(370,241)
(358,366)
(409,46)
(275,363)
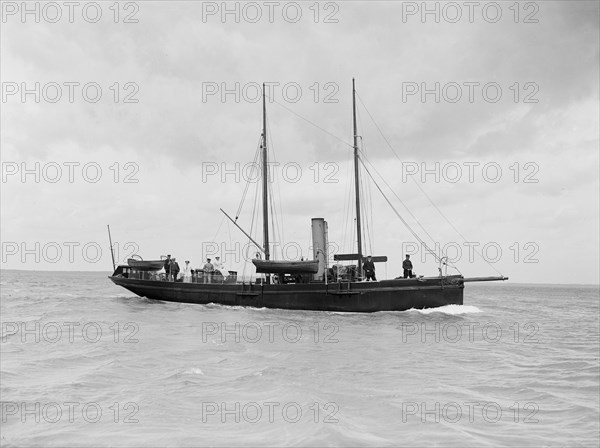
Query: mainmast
(357,183)
(265,178)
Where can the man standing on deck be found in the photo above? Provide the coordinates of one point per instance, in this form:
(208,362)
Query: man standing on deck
(407,266)
(174,269)
(208,266)
(208,271)
(220,267)
(187,272)
(369,268)
(167,267)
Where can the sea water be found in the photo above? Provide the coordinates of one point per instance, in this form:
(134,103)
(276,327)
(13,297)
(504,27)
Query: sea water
(86,363)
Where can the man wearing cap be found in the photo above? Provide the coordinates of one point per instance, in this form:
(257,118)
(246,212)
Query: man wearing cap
(407,266)
(167,267)
(208,267)
(208,270)
(174,268)
(369,268)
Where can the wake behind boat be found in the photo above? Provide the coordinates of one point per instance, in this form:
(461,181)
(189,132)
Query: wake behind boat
(304,284)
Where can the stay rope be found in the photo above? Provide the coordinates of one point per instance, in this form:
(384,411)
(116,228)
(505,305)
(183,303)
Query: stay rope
(438,259)
(420,188)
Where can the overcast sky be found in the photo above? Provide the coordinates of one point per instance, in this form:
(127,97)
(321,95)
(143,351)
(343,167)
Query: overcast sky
(488,110)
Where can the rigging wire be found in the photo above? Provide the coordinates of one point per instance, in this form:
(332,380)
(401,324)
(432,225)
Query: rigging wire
(310,122)
(379,188)
(347,204)
(438,258)
(328,133)
(254,167)
(362,187)
(253,218)
(367,208)
(218,228)
(400,216)
(229,231)
(420,188)
(364,159)
(365,219)
(274,228)
(277,221)
(347,144)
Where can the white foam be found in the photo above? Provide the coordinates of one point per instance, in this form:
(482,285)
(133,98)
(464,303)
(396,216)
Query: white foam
(193,371)
(450,309)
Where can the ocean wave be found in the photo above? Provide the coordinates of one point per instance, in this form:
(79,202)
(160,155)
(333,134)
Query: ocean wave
(193,371)
(355,379)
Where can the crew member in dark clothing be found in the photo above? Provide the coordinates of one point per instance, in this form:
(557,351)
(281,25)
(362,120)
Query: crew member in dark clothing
(407,266)
(174,269)
(369,268)
(167,267)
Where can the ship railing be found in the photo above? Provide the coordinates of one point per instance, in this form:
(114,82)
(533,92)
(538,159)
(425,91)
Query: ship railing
(213,277)
(196,277)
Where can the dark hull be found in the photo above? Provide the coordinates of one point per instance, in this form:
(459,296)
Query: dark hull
(364,297)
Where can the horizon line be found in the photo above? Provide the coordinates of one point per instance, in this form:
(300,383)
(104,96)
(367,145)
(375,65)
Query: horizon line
(507,281)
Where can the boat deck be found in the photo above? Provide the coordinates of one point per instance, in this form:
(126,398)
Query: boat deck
(345,296)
